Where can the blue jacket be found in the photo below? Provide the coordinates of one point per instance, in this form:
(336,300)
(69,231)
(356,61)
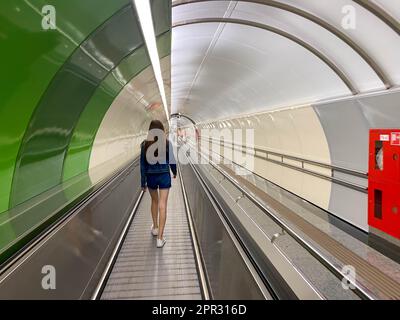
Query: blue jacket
(146,168)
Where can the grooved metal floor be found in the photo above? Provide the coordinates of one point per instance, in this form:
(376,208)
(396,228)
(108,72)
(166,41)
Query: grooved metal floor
(143,271)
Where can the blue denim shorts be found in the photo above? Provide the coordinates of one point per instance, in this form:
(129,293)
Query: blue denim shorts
(159,180)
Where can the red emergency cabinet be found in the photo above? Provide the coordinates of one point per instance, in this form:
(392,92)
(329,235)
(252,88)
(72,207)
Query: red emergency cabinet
(384,181)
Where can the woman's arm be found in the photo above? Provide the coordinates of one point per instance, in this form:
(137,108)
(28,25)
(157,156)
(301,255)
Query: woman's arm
(142,166)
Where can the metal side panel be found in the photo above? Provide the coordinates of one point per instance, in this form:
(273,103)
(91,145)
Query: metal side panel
(229,273)
(143,271)
(78,248)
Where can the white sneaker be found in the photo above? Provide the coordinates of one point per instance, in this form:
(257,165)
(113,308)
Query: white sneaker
(161,242)
(154,232)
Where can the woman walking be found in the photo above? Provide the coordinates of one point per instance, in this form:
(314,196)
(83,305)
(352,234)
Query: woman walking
(156,160)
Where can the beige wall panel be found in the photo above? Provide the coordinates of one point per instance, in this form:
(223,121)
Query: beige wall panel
(317,191)
(311,134)
(297,132)
(292,180)
(274,157)
(291,162)
(290,142)
(267,135)
(118,132)
(268,170)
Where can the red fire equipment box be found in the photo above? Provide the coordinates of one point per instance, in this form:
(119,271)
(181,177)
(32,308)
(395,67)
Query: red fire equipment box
(384,181)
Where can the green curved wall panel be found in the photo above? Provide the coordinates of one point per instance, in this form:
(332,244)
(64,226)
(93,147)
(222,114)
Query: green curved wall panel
(164,45)
(77,159)
(78,156)
(88,122)
(40,162)
(34,56)
(41,155)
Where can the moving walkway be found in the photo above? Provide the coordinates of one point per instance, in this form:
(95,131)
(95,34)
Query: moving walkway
(229,236)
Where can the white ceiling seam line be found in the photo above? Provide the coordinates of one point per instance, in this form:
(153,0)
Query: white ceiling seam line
(143,10)
(228,13)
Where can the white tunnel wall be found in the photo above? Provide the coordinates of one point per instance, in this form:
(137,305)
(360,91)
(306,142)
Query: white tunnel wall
(335,133)
(226,70)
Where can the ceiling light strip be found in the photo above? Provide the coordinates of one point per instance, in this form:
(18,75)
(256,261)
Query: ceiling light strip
(143,10)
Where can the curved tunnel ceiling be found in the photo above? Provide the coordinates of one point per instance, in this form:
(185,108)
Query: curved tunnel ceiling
(220,65)
(282,33)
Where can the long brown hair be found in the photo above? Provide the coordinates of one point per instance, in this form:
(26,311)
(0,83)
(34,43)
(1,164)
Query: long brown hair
(154,125)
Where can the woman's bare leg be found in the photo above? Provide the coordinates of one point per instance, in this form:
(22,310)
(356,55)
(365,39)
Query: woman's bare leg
(154,207)
(162,206)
